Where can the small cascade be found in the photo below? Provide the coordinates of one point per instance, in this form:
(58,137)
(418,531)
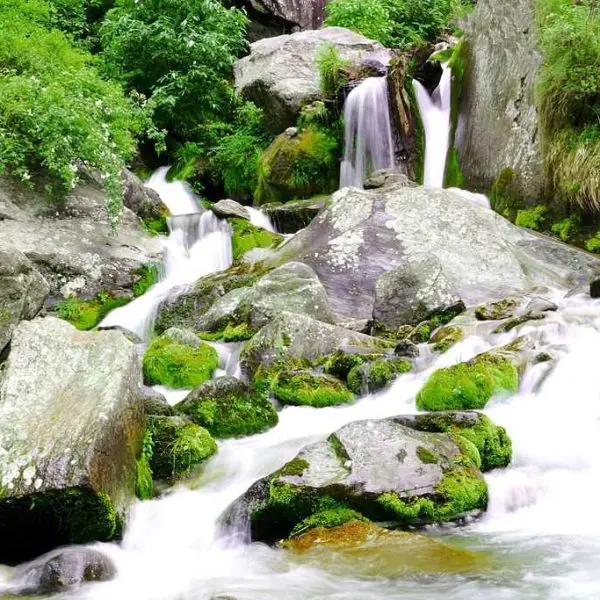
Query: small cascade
(198,244)
(368,132)
(435,115)
(259,219)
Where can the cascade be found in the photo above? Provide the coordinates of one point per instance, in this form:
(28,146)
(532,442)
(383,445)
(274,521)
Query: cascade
(435,116)
(368,132)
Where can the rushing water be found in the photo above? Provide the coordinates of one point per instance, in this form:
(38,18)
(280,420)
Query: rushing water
(435,115)
(368,132)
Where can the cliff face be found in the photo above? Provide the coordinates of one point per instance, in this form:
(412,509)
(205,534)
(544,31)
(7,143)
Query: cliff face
(498,122)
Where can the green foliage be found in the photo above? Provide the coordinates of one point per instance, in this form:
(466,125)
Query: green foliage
(593,244)
(179,52)
(377,375)
(332,74)
(58,117)
(333,517)
(340,363)
(144,488)
(246,237)
(179,446)
(156,226)
(395,23)
(80,19)
(231,333)
(146,277)
(567,228)
(453,176)
(532,218)
(468,386)
(502,199)
(177,365)
(86,314)
(303,388)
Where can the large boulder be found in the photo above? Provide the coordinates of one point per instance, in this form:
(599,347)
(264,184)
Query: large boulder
(140,199)
(22,291)
(281,76)
(498,128)
(290,13)
(71,427)
(71,243)
(290,217)
(364,234)
(383,469)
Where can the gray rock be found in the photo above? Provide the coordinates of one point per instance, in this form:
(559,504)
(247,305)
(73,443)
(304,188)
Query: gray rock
(407,349)
(293,287)
(71,244)
(363,234)
(155,403)
(413,293)
(182,336)
(292,216)
(140,199)
(71,426)
(63,569)
(291,13)
(498,124)
(22,291)
(229,208)
(366,465)
(281,76)
(298,336)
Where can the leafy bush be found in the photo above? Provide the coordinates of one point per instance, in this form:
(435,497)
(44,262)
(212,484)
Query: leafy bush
(532,218)
(58,117)
(395,23)
(332,76)
(180,52)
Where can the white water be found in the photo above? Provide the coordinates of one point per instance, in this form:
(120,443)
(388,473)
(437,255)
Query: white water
(435,115)
(198,244)
(541,531)
(368,132)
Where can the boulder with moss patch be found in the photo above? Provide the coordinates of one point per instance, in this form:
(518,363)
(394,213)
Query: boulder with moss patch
(71,429)
(443,339)
(469,385)
(383,469)
(176,365)
(178,445)
(376,375)
(304,388)
(227,407)
(293,215)
(246,237)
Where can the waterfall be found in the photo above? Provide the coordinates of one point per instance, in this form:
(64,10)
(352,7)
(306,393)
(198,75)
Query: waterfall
(198,244)
(368,132)
(435,115)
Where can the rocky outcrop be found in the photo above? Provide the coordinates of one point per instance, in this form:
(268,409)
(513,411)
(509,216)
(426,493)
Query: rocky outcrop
(383,469)
(71,427)
(290,14)
(281,76)
(498,125)
(229,208)
(140,199)
(290,217)
(364,234)
(22,291)
(71,244)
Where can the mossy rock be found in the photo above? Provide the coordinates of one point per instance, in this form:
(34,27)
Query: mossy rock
(340,363)
(230,333)
(468,386)
(178,445)
(492,443)
(443,339)
(86,314)
(178,365)
(298,166)
(246,237)
(227,407)
(303,388)
(326,519)
(496,311)
(376,375)
(145,277)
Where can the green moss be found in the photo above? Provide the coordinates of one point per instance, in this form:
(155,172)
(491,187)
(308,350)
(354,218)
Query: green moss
(567,229)
(302,388)
(234,414)
(146,277)
(294,468)
(502,199)
(467,386)
(178,366)
(593,244)
(179,446)
(333,517)
(377,375)
(445,338)
(339,364)
(246,237)
(231,333)
(144,488)
(418,160)
(86,314)
(532,218)
(426,456)
(454,176)
(157,226)
(495,311)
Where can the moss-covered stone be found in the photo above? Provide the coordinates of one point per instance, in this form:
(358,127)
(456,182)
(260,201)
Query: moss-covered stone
(178,446)
(177,365)
(230,333)
(298,166)
(227,407)
(340,363)
(326,519)
(303,388)
(470,385)
(533,218)
(246,237)
(86,314)
(144,487)
(443,339)
(510,324)
(146,276)
(495,311)
(376,375)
